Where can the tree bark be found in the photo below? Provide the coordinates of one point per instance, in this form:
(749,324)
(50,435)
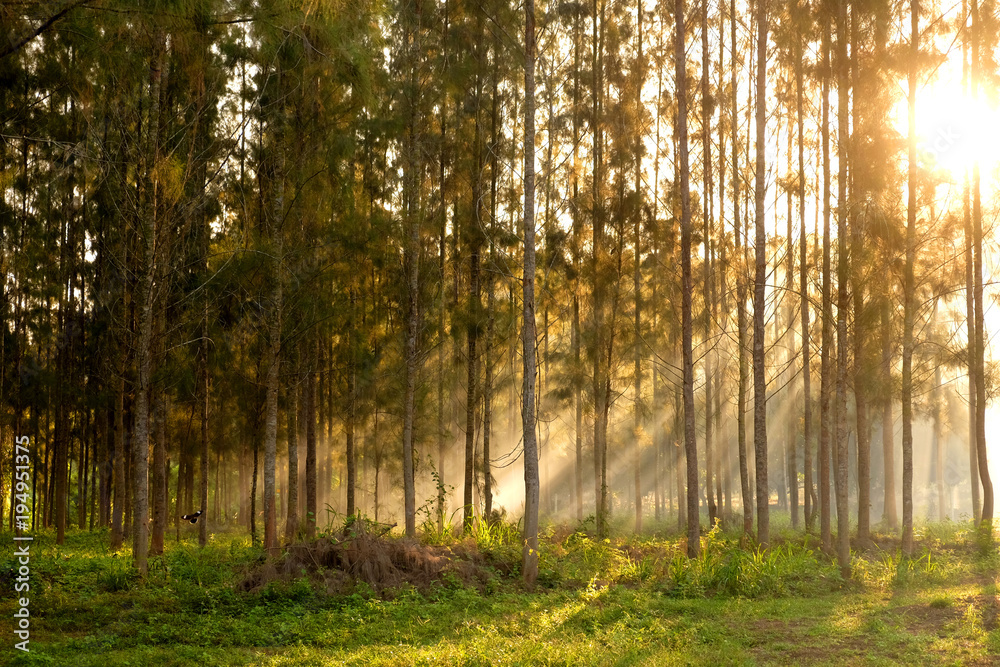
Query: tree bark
(888,433)
(908,282)
(970,304)
(843,139)
(529,567)
(759,380)
(827,340)
(986,516)
(690,444)
(412,289)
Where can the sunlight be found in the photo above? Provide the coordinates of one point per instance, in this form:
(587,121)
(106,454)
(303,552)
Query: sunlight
(954,130)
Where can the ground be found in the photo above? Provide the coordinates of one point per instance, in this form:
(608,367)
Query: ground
(445,601)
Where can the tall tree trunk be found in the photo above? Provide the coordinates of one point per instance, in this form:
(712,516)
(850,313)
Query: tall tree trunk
(637,289)
(577,234)
(860,333)
(273,219)
(986,516)
(843,139)
(792,421)
(970,302)
(159,476)
(908,282)
(937,446)
(707,185)
(350,423)
(529,567)
(746,494)
(690,444)
(888,429)
(827,339)
(804,290)
(598,243)
(203,389)
(760,250)
(144,349)
(311,472)
(121,495)
(292,520)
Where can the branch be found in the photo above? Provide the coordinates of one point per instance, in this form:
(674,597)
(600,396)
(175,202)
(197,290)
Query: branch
(54,12)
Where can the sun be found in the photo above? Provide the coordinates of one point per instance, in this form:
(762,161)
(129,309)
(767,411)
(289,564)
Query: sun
(954,130)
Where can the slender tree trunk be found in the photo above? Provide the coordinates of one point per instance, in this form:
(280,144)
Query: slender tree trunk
(724,471)
(746,495)
(311,472)
(791,462)
(529,568)
(203,389)
(908,282)
(970,307)
(707,185)
(690,444)
(577,234)
(986,516)
(292,520)
(843,139)
(637,289)
(860,333)
(159,476)
(936,445)
(827,340)
(144,349)
(807,464)
(117,532)
(760,250)
(349,426)
(888,431)
(598,244)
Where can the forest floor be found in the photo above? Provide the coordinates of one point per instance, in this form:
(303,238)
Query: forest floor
(624,601)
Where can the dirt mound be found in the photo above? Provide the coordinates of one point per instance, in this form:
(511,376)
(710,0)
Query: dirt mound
(362,554)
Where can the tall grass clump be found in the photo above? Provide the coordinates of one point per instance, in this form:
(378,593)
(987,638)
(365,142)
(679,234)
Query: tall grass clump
(725,568)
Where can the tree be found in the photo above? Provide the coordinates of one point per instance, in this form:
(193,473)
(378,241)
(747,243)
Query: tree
(908,281)
(690,445)
(760,250)
(529,567)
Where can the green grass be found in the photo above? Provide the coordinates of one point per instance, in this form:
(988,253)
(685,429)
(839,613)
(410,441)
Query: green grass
(627,600)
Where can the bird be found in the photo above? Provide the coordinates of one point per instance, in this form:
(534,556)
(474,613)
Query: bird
(193,518)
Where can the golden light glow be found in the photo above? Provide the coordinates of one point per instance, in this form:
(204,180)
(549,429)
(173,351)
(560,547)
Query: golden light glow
(954,129)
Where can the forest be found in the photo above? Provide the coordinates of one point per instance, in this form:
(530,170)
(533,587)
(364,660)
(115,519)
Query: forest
(317,312)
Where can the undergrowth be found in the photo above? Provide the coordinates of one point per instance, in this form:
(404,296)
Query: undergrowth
(89,599)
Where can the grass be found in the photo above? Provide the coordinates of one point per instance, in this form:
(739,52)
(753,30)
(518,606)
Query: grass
(626,600)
